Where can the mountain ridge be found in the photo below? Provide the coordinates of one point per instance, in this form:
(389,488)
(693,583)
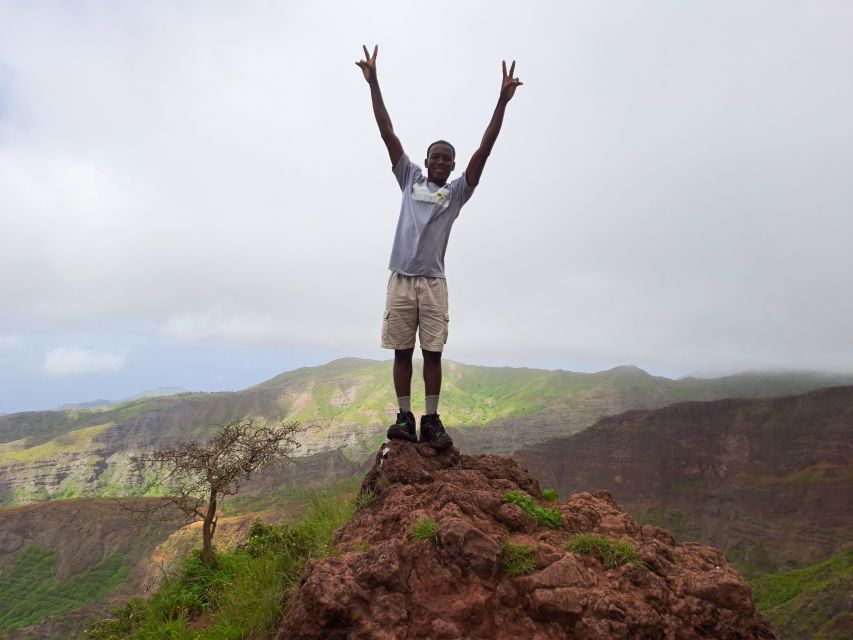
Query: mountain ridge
(49,455)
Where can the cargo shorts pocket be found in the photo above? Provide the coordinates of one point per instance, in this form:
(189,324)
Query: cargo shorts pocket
(446,326)
(386,332)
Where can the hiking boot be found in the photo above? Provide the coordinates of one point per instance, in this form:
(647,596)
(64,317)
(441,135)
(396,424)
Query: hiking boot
(433,433)
(404,428)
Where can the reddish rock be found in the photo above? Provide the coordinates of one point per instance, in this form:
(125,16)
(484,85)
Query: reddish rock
(385,585)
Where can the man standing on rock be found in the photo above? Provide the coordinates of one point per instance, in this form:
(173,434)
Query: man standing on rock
(416,297)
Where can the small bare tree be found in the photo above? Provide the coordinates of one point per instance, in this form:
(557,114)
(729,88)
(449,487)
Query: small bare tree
(198,476)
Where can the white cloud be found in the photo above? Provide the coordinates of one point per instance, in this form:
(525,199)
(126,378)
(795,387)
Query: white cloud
(9,342)
(76,361)
(217,326)
(670,188)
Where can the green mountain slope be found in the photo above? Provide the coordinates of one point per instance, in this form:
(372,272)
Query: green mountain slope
(34,591)
(349,402)
(813,602)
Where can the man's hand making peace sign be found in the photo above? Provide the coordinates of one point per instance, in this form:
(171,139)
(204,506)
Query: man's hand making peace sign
(509,83)
(368,65)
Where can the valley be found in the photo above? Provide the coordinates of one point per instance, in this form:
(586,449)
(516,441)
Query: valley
(758,465)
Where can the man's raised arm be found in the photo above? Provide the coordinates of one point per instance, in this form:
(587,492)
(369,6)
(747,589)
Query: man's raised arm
(478,160)
(386,129)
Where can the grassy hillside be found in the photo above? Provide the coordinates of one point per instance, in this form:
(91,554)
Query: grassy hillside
(810,603)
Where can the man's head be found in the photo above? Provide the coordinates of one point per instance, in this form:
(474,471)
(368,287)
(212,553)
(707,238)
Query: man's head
(440,161)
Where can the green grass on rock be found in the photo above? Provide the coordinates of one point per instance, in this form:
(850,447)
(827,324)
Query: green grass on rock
(610,551)
(517,559)
(543,516)
(424,529)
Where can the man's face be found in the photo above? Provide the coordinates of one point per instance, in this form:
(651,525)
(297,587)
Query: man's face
(440,163)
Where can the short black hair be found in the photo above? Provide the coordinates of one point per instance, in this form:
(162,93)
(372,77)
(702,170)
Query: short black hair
(452,148)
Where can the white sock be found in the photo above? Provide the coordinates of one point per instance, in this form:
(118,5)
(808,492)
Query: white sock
(405,403)
(431,405)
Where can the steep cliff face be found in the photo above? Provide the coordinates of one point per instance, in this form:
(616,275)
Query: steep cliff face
(80,533)
(440,553)
(767,480)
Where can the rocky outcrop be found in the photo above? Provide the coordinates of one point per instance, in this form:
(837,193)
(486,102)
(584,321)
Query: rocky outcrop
(456,584)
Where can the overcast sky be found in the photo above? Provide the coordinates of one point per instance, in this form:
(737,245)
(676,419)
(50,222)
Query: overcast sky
(196,194)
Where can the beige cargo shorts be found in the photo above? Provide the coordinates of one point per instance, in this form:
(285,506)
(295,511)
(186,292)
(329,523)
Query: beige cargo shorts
(412,303)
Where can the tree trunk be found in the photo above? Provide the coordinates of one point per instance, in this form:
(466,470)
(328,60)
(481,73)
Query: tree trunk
(208,528)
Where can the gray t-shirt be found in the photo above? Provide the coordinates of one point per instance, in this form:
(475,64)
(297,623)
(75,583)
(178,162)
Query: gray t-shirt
(427,213)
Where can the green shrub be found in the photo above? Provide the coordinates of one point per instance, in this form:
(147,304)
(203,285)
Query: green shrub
(425,529)
(610,551)
(119,626)
(543,516)
(550,495)
(364,498)
(266,539)
(517,559)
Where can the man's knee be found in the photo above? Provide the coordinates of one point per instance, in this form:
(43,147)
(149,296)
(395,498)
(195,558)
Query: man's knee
(403,356)
(431,356)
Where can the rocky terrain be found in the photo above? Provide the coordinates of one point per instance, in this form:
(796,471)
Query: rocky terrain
(766,480)
(84,452)
(459,579)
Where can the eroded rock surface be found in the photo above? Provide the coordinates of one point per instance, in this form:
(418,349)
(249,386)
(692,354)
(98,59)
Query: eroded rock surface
(384,585)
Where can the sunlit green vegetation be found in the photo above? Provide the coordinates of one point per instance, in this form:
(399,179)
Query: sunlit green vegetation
(70,442)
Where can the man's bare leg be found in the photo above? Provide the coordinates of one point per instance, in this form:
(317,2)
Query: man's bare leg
(432,372)
(403,372)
